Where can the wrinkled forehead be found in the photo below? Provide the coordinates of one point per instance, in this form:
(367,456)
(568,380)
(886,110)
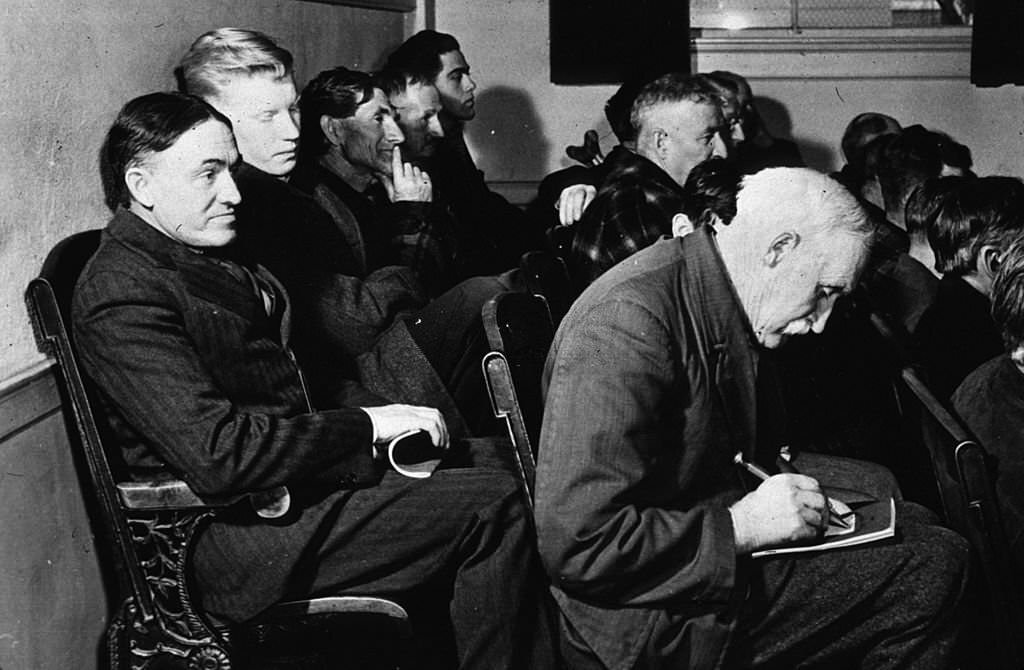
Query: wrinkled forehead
(373,105)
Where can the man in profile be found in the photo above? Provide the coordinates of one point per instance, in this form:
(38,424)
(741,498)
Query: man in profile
(645,523)
(493,233)
(679,123)
(352,163)
(187,341)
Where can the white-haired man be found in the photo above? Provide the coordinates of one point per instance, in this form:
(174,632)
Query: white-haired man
(645,523)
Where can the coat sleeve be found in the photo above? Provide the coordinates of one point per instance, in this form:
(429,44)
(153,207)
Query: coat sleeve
(616,524)
(132,339)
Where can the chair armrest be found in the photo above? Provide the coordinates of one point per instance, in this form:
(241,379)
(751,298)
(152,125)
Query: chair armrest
(162,495)
(333,605)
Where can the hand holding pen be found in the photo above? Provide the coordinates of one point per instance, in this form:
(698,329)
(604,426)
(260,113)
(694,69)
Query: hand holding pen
(835,517)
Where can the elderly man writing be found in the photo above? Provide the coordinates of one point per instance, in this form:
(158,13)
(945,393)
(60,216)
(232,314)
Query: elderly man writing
(645,523)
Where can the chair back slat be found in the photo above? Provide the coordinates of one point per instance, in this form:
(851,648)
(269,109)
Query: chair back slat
(519,326)
(506,406)
(49,302)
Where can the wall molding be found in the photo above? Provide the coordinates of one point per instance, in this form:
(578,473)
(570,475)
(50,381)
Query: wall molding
(920,53)
(27,398)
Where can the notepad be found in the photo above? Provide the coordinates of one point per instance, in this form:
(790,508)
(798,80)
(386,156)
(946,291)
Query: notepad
(413,454)
(871,521)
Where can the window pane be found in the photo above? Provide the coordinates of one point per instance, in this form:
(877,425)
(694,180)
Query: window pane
(740,14)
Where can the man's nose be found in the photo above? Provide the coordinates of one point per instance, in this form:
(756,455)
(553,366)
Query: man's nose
(289,125)
(229,194)
(392,132)
(720,147)
(469,84)
(434,127)
(736,128)
(824,311)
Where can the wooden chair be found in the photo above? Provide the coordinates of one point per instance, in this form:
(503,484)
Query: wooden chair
(151,525)
(545,274)
(964,475)
(519,326)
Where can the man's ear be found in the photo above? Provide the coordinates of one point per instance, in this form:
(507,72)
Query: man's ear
(660,141)
(783,243)
(332,129)
(137,179)
(989,261)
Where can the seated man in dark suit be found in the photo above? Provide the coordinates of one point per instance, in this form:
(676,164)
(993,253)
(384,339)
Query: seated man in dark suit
(378,327)
(972,230)
(351,163)
(644,521)
(991,399)
(187,340)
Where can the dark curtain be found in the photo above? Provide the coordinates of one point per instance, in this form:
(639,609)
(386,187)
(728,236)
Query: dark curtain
(997,46)
(610,41)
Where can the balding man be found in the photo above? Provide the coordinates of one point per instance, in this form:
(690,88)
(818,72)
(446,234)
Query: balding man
(644,522)
(679,123)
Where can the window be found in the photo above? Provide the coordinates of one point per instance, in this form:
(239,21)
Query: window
(814,14)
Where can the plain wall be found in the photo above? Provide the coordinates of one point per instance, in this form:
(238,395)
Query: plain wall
(67,66)
(506,44)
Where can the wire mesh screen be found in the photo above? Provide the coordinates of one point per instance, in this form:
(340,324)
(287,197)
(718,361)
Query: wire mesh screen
(795,14)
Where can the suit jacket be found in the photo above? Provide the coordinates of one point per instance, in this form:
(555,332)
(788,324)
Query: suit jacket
(349,325)
(415,235)
(633,484)
(197,381)
(955,335)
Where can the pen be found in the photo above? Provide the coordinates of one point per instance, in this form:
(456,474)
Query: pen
(759,472)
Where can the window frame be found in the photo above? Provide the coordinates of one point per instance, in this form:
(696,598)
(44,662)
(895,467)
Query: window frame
(836,53)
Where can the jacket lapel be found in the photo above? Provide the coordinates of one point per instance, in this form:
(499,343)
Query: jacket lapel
(202,276)
(724,336)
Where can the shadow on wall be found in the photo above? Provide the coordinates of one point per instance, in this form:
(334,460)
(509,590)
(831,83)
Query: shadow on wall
(507,136)
(778,122)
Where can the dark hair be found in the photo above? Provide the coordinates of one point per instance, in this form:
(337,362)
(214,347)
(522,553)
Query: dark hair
(907,160)
(672,87)
(337,92)
(924,203)
(1008,296)
(979,212)
(861,130)
(147,125)
(619,107)
(419,57)
(711,188)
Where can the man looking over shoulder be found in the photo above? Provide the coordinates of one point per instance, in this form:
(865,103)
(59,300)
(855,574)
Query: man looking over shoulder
(644,522)
(679,123)
(187,339)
